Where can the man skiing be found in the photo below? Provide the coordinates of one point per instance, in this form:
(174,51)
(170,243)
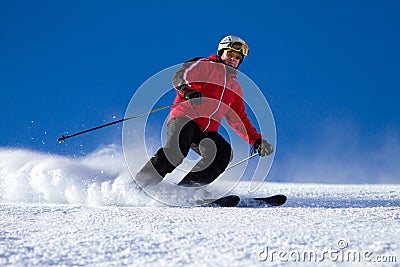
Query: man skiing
(207,92)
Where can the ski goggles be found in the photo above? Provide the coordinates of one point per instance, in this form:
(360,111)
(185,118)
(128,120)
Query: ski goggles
(234,53)
(239,47)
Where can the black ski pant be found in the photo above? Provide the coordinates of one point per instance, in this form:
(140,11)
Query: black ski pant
(182,135)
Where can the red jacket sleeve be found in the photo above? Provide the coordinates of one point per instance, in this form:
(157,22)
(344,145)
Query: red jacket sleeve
(189,74)
(238,120)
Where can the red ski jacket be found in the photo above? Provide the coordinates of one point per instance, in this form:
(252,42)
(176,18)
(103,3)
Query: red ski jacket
(222,97)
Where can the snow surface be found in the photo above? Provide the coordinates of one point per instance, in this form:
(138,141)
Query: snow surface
(57,211)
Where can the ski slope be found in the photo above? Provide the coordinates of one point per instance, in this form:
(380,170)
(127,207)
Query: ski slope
(56,211)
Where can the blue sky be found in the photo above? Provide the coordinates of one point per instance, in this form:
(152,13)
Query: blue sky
(329,69)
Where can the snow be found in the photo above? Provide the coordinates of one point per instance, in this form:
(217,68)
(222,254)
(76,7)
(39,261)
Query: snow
(77,212)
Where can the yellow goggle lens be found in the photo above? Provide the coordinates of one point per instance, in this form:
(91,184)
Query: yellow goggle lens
(233,53)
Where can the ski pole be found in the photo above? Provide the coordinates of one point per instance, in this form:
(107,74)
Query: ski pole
(63,137)
(240,162)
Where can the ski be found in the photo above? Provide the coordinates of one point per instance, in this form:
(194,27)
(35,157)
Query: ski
(227,201)
(275,200)
(234,200)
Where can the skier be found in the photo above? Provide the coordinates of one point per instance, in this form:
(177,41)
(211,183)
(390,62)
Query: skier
(207,92)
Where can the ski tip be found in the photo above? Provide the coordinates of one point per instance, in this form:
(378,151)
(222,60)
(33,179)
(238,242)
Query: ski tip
(275,200)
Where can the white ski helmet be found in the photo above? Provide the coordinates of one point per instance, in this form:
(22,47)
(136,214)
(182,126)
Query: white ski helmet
(233,43)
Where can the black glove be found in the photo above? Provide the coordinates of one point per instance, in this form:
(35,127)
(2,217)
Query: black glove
(263,147)
(195,97)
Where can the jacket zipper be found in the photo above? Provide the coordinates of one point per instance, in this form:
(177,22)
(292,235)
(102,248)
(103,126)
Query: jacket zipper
(219,104)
